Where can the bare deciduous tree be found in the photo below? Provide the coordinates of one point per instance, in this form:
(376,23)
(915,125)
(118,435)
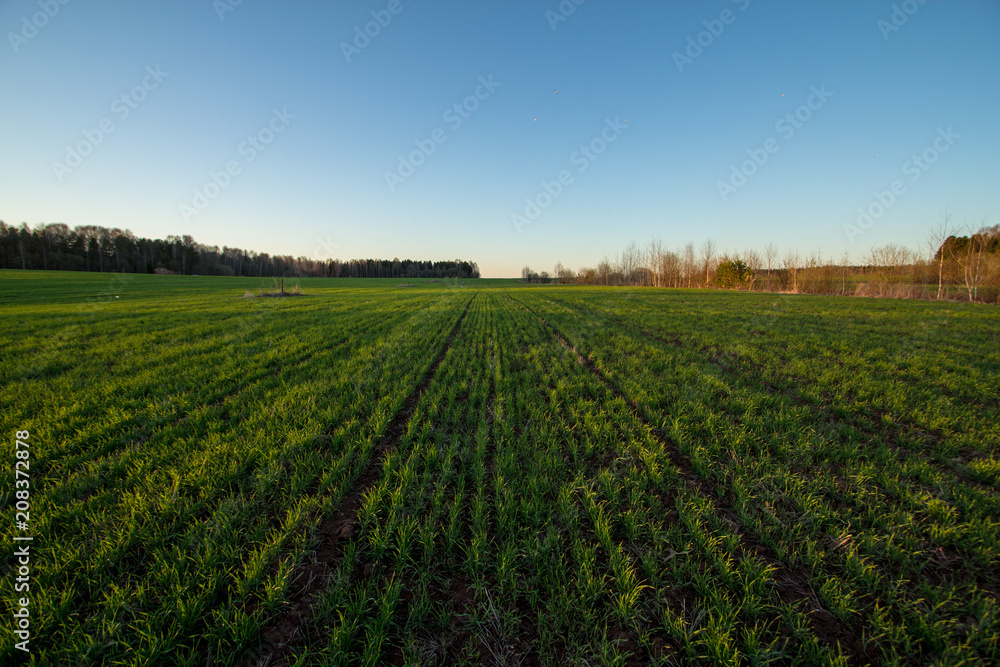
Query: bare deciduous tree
(972,261)
(752,259)
(689,262)
(629,263)
(937,240)
(887,267)
(845,261)
(604,271)
(771,258)
(791,261)
(655,253)
(707,255)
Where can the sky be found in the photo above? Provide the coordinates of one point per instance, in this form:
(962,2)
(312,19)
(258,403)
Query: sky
(508,133)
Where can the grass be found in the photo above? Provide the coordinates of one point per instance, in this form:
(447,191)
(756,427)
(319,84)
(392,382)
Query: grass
(478,472)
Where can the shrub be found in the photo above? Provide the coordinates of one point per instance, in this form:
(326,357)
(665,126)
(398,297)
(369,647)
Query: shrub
(733,273)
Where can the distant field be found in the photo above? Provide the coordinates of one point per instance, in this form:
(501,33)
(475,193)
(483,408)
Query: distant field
(484,472)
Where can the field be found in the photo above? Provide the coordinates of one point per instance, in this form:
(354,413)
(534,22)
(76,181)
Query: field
(481,472)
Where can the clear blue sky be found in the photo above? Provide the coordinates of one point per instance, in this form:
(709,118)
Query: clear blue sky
(319,188)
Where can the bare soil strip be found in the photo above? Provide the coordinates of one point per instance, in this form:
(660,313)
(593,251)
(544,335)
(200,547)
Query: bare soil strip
(311,578)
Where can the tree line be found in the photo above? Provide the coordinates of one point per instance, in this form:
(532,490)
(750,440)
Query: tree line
(93,248)
(954,264)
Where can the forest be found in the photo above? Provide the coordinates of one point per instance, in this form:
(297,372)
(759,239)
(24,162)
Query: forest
(56,246)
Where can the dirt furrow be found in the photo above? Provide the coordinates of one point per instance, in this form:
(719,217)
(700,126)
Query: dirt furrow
(310,579)
(792,583)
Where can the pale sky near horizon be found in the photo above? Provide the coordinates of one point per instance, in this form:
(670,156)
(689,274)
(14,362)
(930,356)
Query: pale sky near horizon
(496,131)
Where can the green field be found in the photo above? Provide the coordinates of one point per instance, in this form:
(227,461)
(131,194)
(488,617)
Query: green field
(480,472)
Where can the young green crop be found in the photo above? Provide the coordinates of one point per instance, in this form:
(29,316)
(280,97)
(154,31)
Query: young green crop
(496,474)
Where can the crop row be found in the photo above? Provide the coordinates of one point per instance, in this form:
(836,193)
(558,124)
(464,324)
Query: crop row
(543,476)
(901,552)
(144,545)
(530,513)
